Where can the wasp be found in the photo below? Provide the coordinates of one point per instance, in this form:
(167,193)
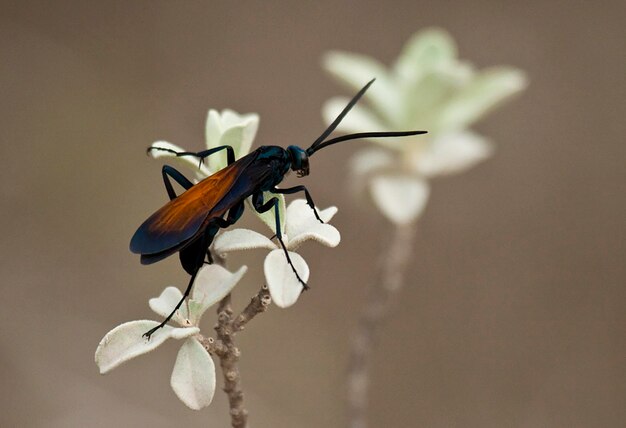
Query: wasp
(188,223)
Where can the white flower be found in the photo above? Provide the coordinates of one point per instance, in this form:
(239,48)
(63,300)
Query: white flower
(300,225)
(193,377)
(226,128)
(427,88)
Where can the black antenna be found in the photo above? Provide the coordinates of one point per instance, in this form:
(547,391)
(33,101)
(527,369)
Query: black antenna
(339,118)
(332,141)
(320,143)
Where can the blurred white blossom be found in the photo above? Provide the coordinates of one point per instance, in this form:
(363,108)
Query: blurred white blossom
(225,128)
(193,377)
(427,88)
(300,226)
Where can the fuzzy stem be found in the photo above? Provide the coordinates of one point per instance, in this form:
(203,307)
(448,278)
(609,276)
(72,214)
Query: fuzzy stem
(224,348)
(229,363)
(258,304)
(228,353)
(376,307)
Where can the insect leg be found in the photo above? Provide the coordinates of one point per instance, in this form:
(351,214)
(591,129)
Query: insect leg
(307,195)
(230,152)
(192,258)
(234,214)
(150,332)
(261,207)
(168,172)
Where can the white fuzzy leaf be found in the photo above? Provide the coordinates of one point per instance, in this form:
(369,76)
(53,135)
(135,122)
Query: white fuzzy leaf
(302,225)
(212,284)
(250,123)
(325,234)
(240,239)
(300,215)
(126,342)
(213,129)
(281,280)
(231,137)
(193,377)
(167,301)
(232,129)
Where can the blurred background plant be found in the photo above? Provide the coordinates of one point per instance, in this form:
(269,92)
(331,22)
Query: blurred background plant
(428,87)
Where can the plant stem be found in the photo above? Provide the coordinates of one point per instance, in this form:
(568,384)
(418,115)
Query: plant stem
(228,353)
(259,303)
(229,363)
(377,305)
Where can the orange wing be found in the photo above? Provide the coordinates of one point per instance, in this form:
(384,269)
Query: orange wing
(182,218)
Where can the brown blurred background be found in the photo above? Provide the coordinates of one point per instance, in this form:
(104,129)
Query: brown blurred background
(515,313)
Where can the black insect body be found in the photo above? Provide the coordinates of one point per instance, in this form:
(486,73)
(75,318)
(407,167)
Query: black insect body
(189,222)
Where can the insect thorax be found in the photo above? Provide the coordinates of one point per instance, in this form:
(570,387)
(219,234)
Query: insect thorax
(278,162)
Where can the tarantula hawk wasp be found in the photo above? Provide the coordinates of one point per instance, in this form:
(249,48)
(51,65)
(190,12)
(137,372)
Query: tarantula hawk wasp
(188,223)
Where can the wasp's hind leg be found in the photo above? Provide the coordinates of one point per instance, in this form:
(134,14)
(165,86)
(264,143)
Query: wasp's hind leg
(234,214)
(193,261)
(261,207)
(150,332)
